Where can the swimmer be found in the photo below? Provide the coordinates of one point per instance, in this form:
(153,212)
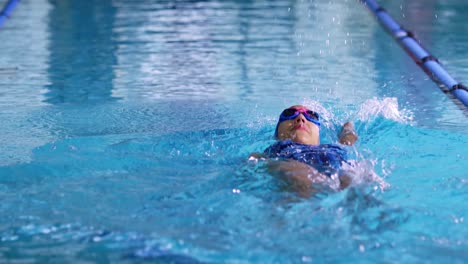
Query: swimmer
(299,157)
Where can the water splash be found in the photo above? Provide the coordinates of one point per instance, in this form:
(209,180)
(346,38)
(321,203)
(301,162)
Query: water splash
(363,172)
(375,116)
(386,107)
(327,117)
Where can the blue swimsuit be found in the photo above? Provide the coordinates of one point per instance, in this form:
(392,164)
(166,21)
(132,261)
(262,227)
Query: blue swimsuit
(326,158)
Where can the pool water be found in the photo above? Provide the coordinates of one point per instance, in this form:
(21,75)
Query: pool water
(126,130)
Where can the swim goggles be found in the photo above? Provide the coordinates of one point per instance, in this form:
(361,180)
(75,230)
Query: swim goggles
(291,113)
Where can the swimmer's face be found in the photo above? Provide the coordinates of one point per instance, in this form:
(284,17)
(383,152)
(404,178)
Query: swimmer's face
(299,129)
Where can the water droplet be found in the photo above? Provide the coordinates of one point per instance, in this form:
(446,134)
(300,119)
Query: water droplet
(362,248)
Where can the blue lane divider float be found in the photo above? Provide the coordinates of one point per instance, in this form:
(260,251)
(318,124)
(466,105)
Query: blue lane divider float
(7,10)
(420,55)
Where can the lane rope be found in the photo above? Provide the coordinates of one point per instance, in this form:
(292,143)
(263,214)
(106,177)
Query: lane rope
(7,11)
(430,64)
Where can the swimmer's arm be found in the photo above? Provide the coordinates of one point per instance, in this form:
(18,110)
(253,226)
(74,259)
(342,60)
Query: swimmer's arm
(299,176)
(294,172)
(347,135)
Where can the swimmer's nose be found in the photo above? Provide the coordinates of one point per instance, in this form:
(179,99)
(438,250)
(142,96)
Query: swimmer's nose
(300,119)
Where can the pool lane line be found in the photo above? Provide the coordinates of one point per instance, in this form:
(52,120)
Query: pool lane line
(420,55)
(7,11)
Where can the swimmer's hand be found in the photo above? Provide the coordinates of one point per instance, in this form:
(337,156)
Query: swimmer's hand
(347,135)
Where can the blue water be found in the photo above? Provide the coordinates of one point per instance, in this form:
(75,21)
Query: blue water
(126,130)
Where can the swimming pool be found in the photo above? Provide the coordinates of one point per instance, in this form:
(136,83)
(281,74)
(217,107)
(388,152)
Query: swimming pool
(127,127)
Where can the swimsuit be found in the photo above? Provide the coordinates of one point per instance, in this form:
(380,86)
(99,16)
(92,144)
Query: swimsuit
(326,158)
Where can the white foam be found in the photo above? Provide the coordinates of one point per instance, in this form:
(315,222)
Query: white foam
(326,117)
(386,107)
(362,171)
